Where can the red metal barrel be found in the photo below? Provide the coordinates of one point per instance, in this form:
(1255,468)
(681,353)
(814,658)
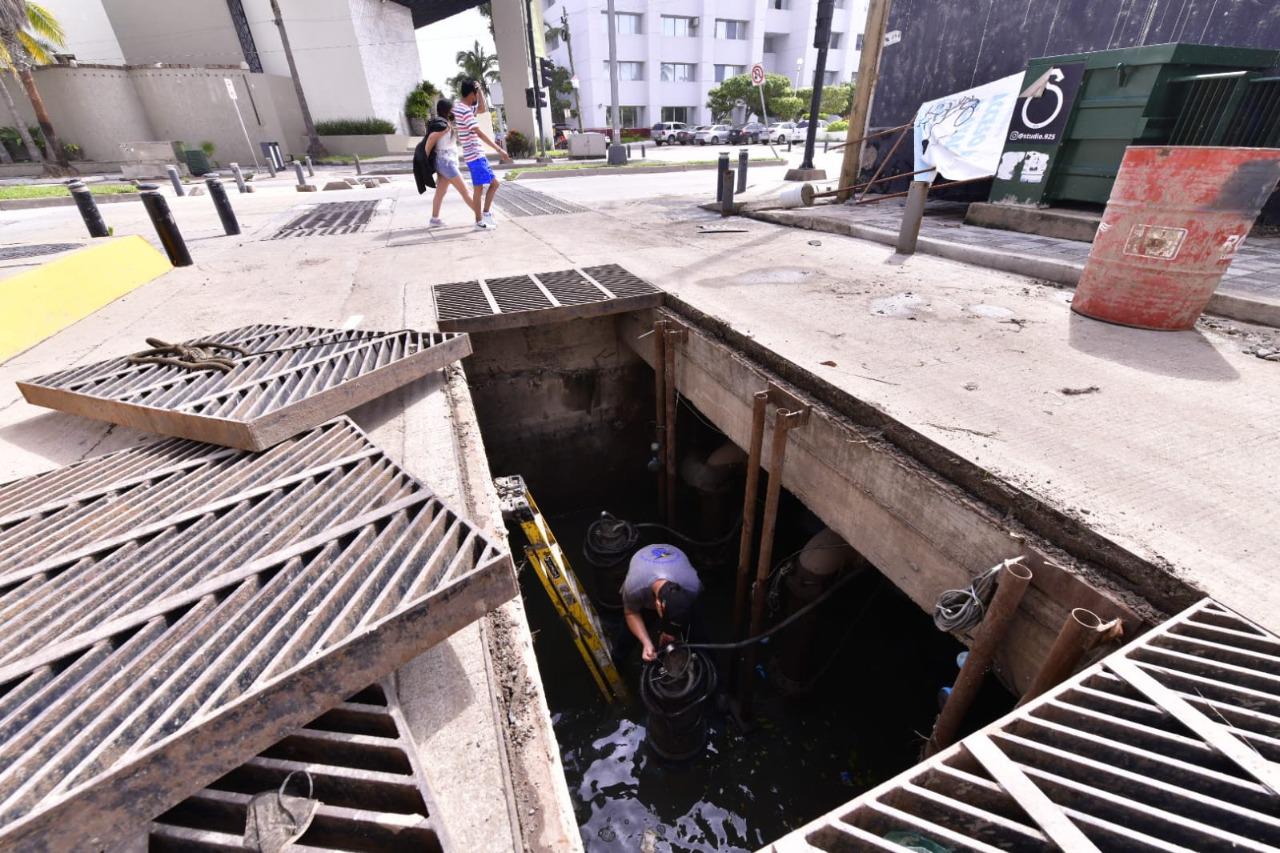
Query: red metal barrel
(1174,222)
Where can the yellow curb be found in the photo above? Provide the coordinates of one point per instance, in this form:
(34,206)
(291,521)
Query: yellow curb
(43,301)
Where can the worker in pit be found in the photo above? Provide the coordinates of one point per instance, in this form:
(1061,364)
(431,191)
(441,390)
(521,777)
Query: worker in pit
(662,587)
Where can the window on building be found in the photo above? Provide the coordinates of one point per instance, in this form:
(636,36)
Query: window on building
(628,22)
(772,42)
(839,4)
(553,41)
(627,70)
(779,4)
(858,44)
(684,114)
(836,38)
(679,26)
(679,72)
(727,29)
(724,72)
(828,77)
(627,116)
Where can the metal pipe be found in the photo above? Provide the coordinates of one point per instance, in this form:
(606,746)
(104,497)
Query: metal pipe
(726,193)
(311,167)
(660,390)
(875,135)
(932,187)
(271,164)
(88,209)
(669,369)
(239,176)
(1011,586)
(1081,631)
(297,171)
(783,420)
(359,168)
(721,167)
(222,204)
(166,228)
(912,216)
(175,180)
(838,190)
(758,405)
(742,169)
(885,162)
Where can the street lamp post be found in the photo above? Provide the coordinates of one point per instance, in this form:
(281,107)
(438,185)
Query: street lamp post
(821,40)
(799,65)
(617,154)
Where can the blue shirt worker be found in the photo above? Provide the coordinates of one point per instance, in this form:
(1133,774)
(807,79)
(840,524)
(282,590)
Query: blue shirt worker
(660,578)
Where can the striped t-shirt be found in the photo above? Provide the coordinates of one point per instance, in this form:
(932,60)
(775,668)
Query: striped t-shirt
(465,118)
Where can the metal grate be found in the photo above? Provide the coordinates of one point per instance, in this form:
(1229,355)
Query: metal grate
(9,253)
(1256,123)
(174,609)
(516,200)
(295,378)
(541,298)
(338,217)
(1171,743)
(372,793)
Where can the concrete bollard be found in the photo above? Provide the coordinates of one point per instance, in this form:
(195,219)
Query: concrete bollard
(642,150)
(223,205)
(726,193)
(743,154)
(176,180)
(166,228)
(359,168)
(912,215)
(311,168)
(88,209)
(297,170)
(239,176)
(721,167)
(271,167)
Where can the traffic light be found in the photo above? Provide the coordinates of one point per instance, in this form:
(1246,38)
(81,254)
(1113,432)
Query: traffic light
(547,67)
(534,98)
(822,32)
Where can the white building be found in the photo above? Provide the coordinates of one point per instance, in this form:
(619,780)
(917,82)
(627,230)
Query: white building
(671,54)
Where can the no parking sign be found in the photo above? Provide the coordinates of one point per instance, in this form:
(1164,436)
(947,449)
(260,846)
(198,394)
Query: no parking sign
(757,74)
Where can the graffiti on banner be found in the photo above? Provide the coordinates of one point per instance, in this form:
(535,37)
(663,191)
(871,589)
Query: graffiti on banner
(963,135)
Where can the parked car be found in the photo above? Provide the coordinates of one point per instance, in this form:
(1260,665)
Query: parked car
(801,130)
(666,131)
(715,134)
(747,134)
(780,131)
(685,135)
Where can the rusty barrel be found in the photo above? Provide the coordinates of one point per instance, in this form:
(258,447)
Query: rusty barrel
(1174,222)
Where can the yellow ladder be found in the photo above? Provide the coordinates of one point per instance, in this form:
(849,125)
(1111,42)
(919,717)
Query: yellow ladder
(562,586)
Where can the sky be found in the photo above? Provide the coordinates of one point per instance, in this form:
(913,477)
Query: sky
(440,42)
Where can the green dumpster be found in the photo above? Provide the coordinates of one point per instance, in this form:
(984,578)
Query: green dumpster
(1183,94)
(197,162)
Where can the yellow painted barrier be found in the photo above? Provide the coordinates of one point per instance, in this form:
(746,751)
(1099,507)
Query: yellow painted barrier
(41,302)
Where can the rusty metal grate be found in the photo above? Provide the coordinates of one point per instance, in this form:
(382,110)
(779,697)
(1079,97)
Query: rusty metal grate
(335,217)
(541,298)
(295,378)
(11,253)
(174,609)
(517,200)
(372,792)
(1171,743)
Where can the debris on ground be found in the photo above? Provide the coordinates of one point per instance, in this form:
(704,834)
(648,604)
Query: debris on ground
(827,363)
(1076,392)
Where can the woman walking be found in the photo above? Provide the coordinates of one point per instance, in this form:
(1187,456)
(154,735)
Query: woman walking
(444,142)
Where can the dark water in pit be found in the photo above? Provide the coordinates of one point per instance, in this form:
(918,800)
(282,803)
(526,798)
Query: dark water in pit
(860,725)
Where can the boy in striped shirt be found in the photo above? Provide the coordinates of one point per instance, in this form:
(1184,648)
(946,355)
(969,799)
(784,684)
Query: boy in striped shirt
(469,138)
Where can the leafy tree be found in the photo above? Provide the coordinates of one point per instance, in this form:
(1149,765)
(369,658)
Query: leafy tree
(786,109)
(779,98)
(475,64)
(837,99)
(421,102)
(560,94)
(29,34)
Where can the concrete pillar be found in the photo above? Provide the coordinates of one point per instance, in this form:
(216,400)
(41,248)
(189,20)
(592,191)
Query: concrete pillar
(512,40)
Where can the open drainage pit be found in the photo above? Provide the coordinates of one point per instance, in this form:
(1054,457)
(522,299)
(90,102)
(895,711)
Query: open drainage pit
(844,695)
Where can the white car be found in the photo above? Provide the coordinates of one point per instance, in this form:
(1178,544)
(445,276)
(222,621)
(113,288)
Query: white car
(780,131)
(715,134)
(801,130)
(666,131)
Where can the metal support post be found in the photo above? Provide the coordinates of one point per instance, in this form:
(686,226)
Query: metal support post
(166,228)
(359,168)
(673,334)
(1081,632)
(1011,586)
(742,169)
(912,216)
(726,194)
(721,167)
(88,209)
(239,176)
(297,170)
(746,541)
(660,391)
(311,169)
(218,193)
(176,180)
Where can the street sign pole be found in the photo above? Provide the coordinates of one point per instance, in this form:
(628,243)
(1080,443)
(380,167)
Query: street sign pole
(235,102)
(757,79)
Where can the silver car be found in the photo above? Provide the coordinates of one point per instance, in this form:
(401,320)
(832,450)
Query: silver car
(715,134)
(780,131)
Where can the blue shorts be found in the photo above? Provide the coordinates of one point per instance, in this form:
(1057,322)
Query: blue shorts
(446,168)
(481,174)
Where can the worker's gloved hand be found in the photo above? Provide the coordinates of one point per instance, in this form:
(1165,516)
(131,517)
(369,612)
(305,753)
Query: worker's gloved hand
(649,653)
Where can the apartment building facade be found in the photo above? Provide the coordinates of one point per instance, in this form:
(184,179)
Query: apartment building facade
(671,53)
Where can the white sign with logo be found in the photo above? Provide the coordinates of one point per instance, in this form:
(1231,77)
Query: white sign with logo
(231,88)
(963,135)
(757,74)
(892,37)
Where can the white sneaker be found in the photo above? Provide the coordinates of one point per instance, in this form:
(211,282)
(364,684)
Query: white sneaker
(436,222)
(483,226)
(488,217)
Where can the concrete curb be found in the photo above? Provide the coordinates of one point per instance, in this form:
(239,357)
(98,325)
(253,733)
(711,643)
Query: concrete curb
(630,170)
(1248,309)
(61,201)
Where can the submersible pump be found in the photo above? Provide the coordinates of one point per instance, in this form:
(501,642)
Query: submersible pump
(676,688)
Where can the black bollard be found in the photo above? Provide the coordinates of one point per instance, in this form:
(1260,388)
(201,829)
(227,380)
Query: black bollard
(166,228)
(359,168)
(311,168)
(297,170)
(218,193)
(726,193)
(642,154)
(175,179)
(788,144)
(742,169)
(88,209)
(721,168)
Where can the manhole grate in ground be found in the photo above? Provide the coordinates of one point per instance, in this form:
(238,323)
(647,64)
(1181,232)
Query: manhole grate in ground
(9,253)
(367,779)
(541,298)
(294,378)
(174,609)
(516,200)
(335,217)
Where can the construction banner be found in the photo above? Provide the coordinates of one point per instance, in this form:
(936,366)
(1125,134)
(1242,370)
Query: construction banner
(963,135)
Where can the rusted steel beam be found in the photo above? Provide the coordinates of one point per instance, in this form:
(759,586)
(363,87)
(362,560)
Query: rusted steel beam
(1081,632)
(746,541)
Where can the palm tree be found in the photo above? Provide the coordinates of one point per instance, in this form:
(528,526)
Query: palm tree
(314,146)
(476,64)
(28,36)
(562,32)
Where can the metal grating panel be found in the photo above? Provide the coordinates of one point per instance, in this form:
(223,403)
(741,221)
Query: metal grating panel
(1171,743)
(517,200)
(174,609)
(294,378)
(372,793)
(9,253)
(541,298)
(336,217)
